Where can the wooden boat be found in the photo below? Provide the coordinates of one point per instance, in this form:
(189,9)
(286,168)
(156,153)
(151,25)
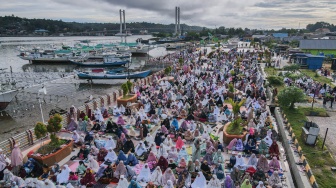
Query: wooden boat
(101,64)
(113,75)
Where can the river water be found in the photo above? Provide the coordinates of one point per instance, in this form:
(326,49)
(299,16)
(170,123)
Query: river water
(63,90)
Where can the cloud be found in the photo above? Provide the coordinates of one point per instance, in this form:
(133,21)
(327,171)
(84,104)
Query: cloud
(212,13)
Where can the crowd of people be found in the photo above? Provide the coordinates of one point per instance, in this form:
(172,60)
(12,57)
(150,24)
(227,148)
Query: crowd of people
(171,138)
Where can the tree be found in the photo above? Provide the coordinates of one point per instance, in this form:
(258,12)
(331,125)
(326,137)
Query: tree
(54,125)
(291,95)
(268,57)
(126,88)
(236,106)
(181,61)
(129,86)
(40,130)
(167,70)
(292,68)
(235,110)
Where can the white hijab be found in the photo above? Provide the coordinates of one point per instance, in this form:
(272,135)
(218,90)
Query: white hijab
(93,164)
(110,143)
(2,161)
(162,151)
(49,184)
(253,161)
(69,185)
(75,136)
(205,135)
(153,148)
(145,174)
(140,149)
(239,161)
(199,181)
(111,156)
(216,111)
(63,177)
(168,142)
(214,182)
(157,176)
(30,182)
(261,185)
(123,183)
(149,139)
(169,184)
(268,141)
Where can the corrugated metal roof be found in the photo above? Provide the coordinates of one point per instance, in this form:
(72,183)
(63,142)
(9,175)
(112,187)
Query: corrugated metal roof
(280,35)
(318,44)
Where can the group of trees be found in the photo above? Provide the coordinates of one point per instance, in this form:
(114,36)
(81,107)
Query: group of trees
(58,26)
(318,25)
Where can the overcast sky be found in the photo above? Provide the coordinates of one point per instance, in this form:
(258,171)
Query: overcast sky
(256,14)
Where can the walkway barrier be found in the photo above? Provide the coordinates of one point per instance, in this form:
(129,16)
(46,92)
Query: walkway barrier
(294,140)
(25,139)
(28,138)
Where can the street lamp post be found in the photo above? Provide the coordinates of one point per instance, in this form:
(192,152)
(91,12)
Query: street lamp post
(39,99)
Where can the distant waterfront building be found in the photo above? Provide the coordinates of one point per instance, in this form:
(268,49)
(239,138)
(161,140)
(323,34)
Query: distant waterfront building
(318,46)
(143,32)
(41,32)
(322,31)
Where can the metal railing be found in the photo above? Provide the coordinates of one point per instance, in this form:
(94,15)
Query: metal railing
(28,138)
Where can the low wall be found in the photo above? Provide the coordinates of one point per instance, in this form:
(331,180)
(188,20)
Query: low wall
(28,138)
(282,121)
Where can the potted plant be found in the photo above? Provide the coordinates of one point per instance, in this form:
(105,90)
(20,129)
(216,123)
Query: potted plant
(127,97)
(234,129)
(55,149)
(167,70)
(181,61)
(230,91)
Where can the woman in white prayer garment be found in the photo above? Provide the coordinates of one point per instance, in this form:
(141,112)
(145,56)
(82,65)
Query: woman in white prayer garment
(111,156)
(140,149)
(199,181)
(144,175)
(63,177)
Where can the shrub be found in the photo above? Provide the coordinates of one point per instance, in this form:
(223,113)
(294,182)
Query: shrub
(291,95)
(129,85)
(167,70)
(54,125)
(124,88)
(291,68)
(234,128)
(275,80)
(40,130)
(181,61)
(231,88)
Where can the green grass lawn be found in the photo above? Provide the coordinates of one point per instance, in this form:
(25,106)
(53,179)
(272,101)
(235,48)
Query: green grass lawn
(319,161)
(314,76)
(270,71)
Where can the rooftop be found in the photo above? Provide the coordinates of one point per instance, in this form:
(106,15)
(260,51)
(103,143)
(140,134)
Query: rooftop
(280,35)
(318,44)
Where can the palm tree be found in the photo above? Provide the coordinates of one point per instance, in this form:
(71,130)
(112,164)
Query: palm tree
(236,106)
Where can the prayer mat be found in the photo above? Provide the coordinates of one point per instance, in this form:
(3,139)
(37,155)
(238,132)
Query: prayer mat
(189,150)
(73,165)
